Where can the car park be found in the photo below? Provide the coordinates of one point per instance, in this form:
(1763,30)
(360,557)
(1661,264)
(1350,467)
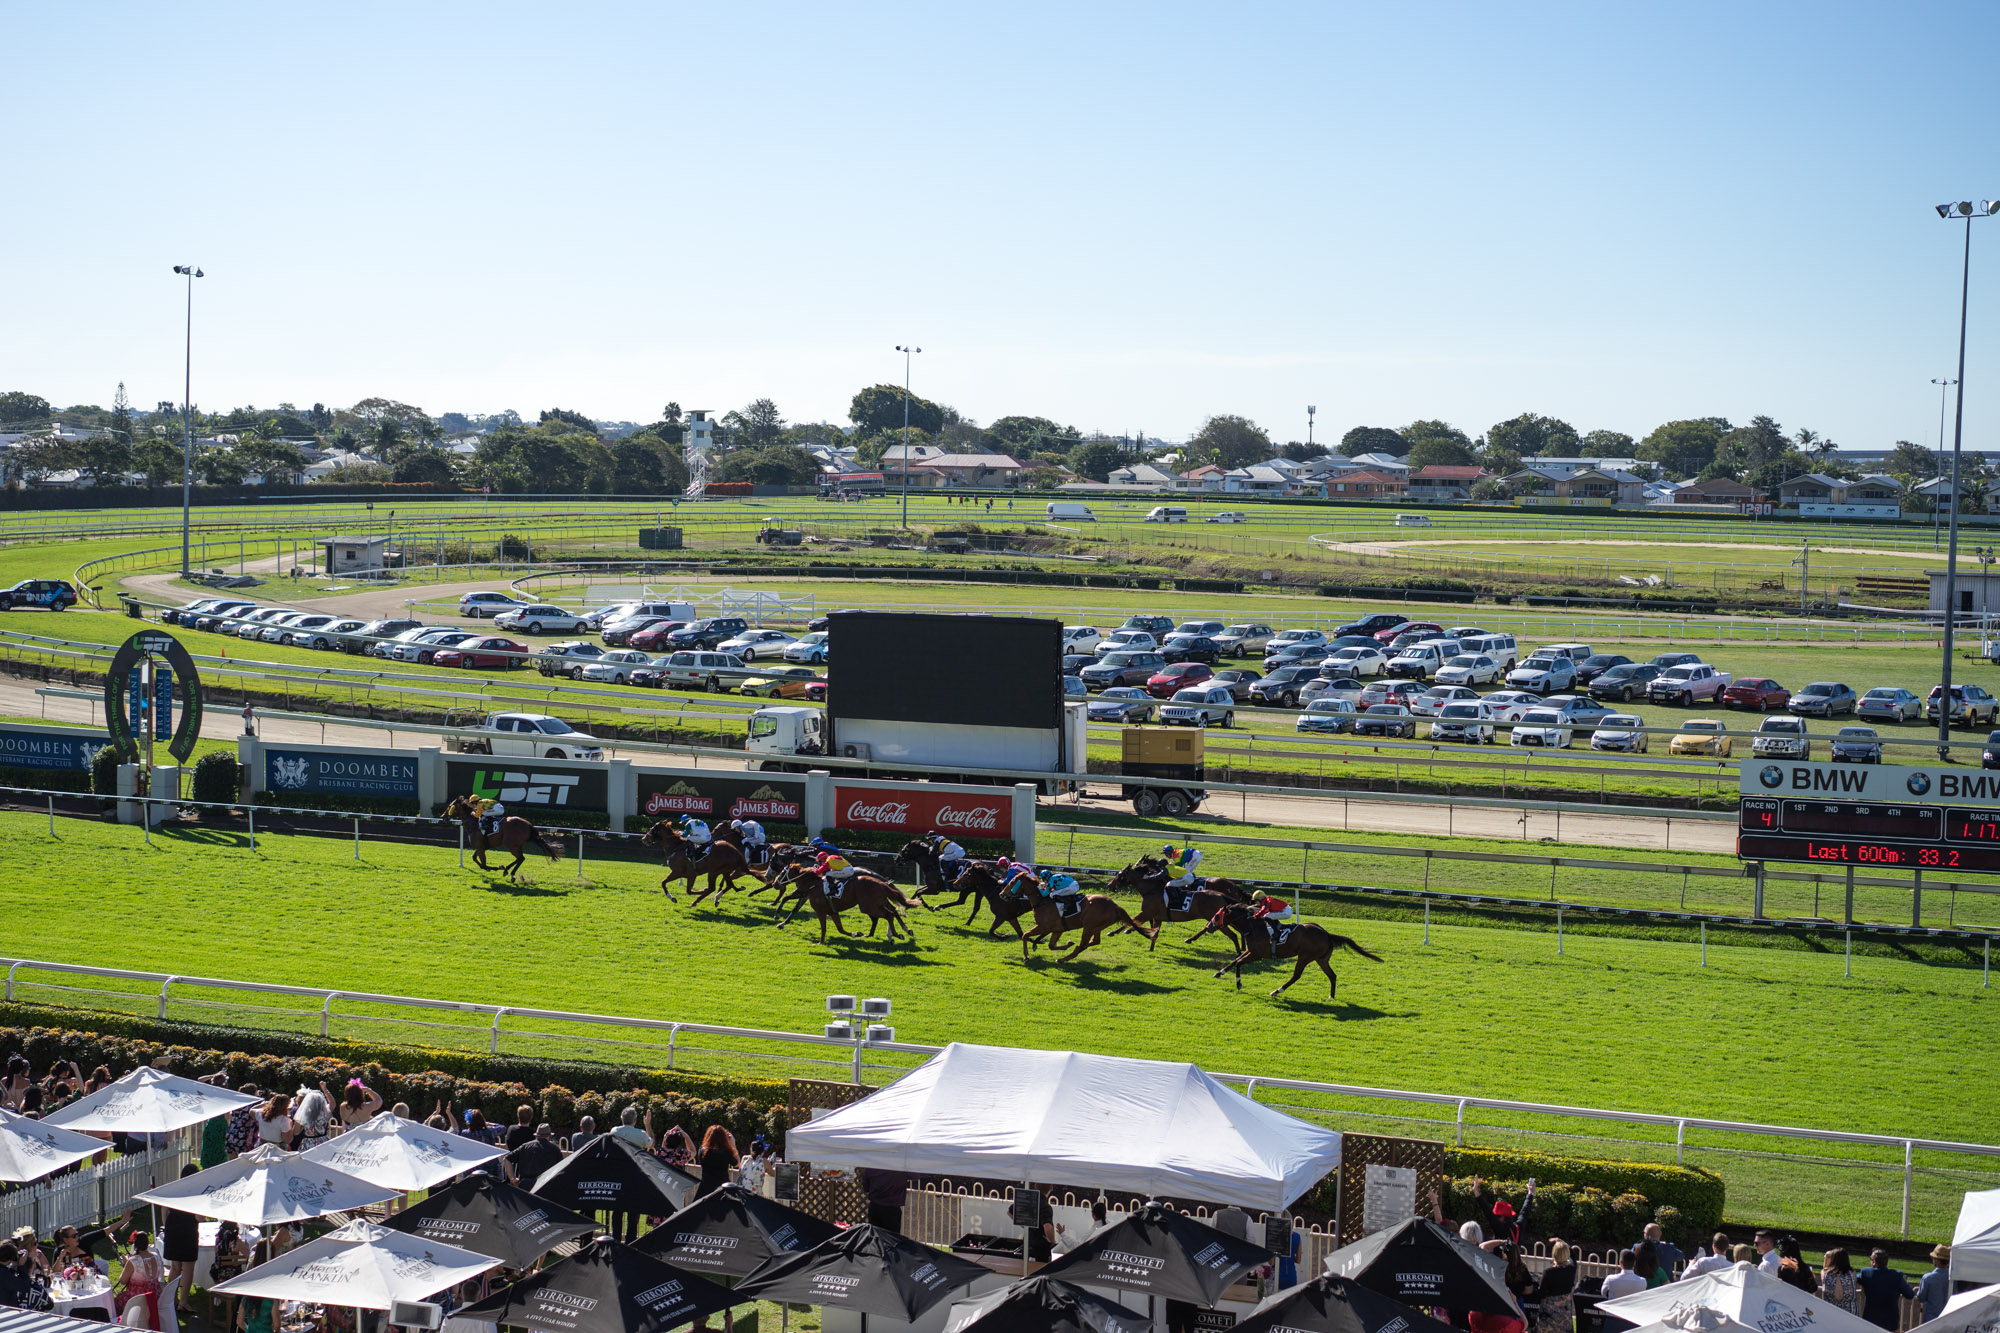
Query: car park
(1544,672)
(1327,716)
(1469,669)
(1386,720)
(1075,638)
(1781,738)
(1419,660)
(1432,701)
(626,631)
(483,652)
(1755,692)
(1542,728)
(1200,706)
(1470,723)
(1174,677)
(1285,641)
(529,736)
(1323,686)
(1823,698)
(423,649)
(1699,736)
(1122,668)
(1887,703)
(1624,683)
(1358,662)
(616,666)
(1122,703)
(793,682)
(1430,629)
(568,658)
(1989,755)
(540,618)
(1229,516)
(692,668)
(1126,641)
(1389,692)
(1283,686)
(489,604)
(1191,648)
(1239,680)
(709,633)
(1688,683)
(656,635)
(1620,733)
(1157,626)
(752,644)
(811,649)
(1971,706)
(1373,625)
(1857,745)
(43,594)
(1595,665)
(1244,639)
(1510,705)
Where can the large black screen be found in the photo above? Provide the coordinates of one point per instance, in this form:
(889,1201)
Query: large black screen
(991,671)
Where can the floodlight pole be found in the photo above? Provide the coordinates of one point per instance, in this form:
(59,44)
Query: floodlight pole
(907,352)
(1967,211)
(190,272)
(1937,459)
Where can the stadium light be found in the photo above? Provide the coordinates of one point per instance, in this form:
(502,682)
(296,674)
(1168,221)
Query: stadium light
(1968,210)
(907,352)
(190,272)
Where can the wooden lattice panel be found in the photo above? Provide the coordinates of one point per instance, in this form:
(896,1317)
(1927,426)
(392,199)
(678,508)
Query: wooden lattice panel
(1358,1152)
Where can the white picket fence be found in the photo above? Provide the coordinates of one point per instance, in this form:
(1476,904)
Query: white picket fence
(86,1196)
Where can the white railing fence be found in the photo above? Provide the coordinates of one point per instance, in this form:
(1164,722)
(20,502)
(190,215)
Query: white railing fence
(87,1195)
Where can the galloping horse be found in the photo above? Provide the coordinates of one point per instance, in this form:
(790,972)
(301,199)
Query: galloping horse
(982,883)
(724,857)
(877,899)
(1159,905)
(1096,913)
(513,837)
(1306,942)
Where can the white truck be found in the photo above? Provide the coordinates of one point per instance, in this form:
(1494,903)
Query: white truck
(527,736)
(1687,684)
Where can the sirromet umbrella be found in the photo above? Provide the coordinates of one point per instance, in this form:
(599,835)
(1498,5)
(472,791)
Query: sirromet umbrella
(605,1287)
(609,1175)
(492,1217)
(360,1265)
(401,1154)
(731,1231)
(1419,1263)
(865,1268)
(1336,1305)
(1163,1253)
(266,1186)
(148,1101)
(31,1149)
(1044,1304)
(1744,1294)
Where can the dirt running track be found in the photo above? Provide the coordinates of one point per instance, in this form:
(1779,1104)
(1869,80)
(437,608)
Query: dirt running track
(1335,815)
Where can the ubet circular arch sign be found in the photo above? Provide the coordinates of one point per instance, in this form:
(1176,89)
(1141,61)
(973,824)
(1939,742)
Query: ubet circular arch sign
(155,658)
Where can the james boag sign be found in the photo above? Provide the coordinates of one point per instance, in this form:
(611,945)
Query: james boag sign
(920,809)
(779,800)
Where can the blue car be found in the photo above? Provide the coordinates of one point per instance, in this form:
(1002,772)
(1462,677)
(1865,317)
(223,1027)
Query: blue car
(49,594)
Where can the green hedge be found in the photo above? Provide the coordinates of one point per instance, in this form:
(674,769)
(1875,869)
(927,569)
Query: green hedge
(46,779)
(1695,1195)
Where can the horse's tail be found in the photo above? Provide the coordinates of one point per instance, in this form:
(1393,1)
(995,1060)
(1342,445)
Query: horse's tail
(541,840)
(1342,941)
(1126,917)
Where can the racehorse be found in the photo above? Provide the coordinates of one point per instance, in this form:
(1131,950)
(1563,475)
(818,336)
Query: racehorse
(1096,913)
(982,883)
(1306,942)
(921,855)
(1158,904)
(514,836)
(724,857)
(877,899)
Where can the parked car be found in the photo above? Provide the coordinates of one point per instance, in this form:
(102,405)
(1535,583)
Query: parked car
(1298,654)
(386,647)
(1286,640)
(1543,673)
(1781,738)
(1420,660)
(1389,692)
(626,631)
(1244,639)
(1075,638)
(1174,677)
(1500,647)
(1072,663)
(1386,720)
(1665,660)
(1688,683)
(1200,706)
(1358,662)
(1620,733)
(1283,686)
(793,682)
(365,638)
(424,648)
(252,624)
(1578,708)
(616,667)
(1471,723)
(1858,745)
(1375,624)
(597,619)
(1542,728)
(1229,516)
(568,658)
(1156,626)
(485,652)
(811,649)
(1122,668)
(1327,716)
(1323,686)
(1989,757)
(1126,641)
(1510,705)
(692,668)
(656,635)
(1239,680)
(540,618)
(47,594)
(1073,689)
(223,618)
(1823,698)
(200,606)
(1624,683)
(1196,629)
(278,629)
(1191,648)
(752,644)
(1463,632)
(1469,669)
(1575,652)
(529,736)
(1701,735)
(1887,703)
(313,631)
(1595,665)
(1391,633)
(1971,706)
(334,637)
(488,604)
(708,633)
(1432,701)
(1122,703)
(1755,692)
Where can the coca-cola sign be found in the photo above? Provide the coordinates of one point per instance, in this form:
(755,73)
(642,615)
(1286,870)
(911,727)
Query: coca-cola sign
(919,809)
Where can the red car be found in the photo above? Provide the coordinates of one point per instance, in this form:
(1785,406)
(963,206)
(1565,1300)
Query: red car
(1395,632)
(497,654)
(1755,692)
(653,638)
(1162,683)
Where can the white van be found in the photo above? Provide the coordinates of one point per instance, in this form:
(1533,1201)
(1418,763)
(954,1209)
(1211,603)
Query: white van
(1069,509)
(1413,520)
(1500,647)
(1168,514)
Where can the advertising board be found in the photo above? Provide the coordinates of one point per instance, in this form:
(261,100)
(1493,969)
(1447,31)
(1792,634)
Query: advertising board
(920,808)
(526,784)
(320,772)
(1869,814)
(23,747)
(711,797)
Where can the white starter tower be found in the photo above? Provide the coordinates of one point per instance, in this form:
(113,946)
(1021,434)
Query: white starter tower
(698,452)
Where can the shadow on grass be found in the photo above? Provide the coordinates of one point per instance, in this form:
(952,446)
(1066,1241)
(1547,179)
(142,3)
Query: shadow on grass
(519,888)
(861,949)
(1340,1009)
(1087,974)
(203,837)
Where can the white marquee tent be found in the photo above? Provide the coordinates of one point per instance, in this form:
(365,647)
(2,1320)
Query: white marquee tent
(1975,1241)
(1151,1127)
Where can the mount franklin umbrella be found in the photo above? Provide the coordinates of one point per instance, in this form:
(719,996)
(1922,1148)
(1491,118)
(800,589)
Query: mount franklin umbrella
(401,1154)
(31,1149)
(264,1186)
(868,1269)
(731,1231)
(363,1266)
(605,1287)
(1163,1253)
(148,1101)
(492,1217)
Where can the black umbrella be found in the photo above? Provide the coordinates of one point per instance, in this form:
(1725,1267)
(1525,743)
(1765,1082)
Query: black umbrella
(1163,1253)
(865,1268)
(1336,1305)
(1043,1304)
(605,1287)
(609,1175)
(1420,1263)
(731,1231)
(489,1216)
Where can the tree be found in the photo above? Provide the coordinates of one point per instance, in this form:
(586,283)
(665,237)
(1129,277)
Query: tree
(18,406)
(879,408)
(275,460)
(1531,434)
(160,460)
(543,460)
(1229,442)
(356,474)
(121,414)
(219,467)
(1605,444)
(431,466)
(372,410)
(643,464)
(1373,440)
(1029,433)
(1418,431)
(575,420)
(1488,491)
(1435,452)
(387,435)
(1095,459)
(772,465)
(1683,448)
(1299,453)
(1912,460)
(1769,476)
(756,424)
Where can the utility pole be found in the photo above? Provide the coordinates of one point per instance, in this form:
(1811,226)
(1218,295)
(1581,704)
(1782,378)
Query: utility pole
(190,272)
(1804,562)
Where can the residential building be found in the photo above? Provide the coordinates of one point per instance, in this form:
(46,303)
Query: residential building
(1717,491)
(941,469)
(1366,486)
(1565,463)
(1387,463)
(1541,485)
(1258,479)
(1445,483)
(1144,475)
(1207,477)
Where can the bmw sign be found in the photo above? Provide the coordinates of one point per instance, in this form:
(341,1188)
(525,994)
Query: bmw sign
(1918,783)
(1772,775)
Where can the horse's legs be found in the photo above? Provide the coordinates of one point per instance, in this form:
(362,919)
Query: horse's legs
(520,859)
(1237,963)
(1297,971)
(1332,978)
(1084,941)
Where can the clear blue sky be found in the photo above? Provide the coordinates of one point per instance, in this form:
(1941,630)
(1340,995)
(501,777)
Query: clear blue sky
(1122,217)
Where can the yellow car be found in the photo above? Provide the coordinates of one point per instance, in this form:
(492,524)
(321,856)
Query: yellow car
(1701,735)
(781,683)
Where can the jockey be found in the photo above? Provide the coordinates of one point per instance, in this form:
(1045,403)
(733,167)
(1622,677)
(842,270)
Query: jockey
(1182,862)
(696,834)
(752,834)
(1274,910)
(1012,870)
(834,871)
(1063,890)
(489,812)
(822,845)
(950,856)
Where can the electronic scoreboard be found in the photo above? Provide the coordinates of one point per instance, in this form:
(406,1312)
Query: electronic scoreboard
(1870,815)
